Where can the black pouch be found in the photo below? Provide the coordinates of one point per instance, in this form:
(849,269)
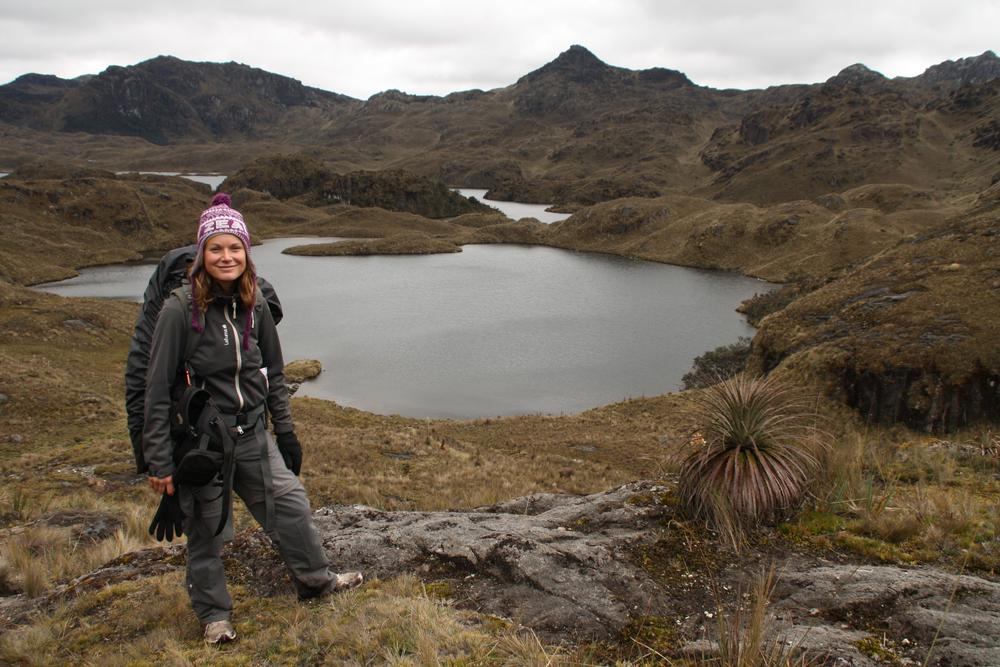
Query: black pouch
(198,449)
(198,467)
(203,446)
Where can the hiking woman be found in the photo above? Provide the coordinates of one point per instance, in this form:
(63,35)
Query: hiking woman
(238,359)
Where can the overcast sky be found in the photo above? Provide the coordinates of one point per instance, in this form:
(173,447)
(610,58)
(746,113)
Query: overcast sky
(439,46)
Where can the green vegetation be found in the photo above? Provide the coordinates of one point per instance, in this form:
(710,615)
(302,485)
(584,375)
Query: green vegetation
(901,498)
(719,364)
(762,304)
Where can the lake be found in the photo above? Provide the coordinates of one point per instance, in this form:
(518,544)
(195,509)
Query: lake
(515,210)
(211,180)
(493,330)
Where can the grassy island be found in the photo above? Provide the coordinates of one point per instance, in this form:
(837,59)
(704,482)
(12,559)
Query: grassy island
(399,244)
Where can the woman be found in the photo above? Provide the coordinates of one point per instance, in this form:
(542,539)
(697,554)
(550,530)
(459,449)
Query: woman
(238,360)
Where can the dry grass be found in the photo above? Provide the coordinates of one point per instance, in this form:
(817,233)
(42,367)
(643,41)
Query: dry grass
(745,634)
(40,555)
(391,622)
(899,497)
(406,243)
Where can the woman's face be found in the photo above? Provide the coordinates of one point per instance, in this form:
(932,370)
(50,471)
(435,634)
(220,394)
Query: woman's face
(225,259)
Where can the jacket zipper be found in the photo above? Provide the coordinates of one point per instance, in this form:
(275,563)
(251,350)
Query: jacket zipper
(239,358)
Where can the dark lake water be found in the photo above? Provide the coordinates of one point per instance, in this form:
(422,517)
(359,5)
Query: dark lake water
(493,330)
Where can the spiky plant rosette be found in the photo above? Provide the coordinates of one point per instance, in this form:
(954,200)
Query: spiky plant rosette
(754,454)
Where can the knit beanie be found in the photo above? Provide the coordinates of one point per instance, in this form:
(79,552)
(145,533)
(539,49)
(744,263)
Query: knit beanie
(220,218)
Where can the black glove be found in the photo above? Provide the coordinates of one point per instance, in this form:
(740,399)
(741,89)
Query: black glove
(291,451)
(168,520)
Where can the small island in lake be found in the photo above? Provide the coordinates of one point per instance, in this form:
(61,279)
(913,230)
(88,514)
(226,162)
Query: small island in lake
(399,244)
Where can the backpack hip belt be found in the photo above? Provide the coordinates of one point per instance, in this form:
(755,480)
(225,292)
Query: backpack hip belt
(245,422)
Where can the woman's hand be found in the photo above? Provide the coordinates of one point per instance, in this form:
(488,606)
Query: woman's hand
(162,484)
(291,451)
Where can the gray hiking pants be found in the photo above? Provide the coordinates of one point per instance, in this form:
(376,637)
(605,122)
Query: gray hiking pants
(292,528)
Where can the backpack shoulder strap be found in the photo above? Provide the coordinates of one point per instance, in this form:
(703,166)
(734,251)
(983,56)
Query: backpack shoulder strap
(191,336)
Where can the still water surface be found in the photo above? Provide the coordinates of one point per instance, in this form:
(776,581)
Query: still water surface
(493,330)
(211,180)
(515,210)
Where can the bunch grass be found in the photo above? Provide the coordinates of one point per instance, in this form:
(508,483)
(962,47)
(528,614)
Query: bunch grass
(753,456)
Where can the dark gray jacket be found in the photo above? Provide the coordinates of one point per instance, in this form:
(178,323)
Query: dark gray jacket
(239,377)
(170,273)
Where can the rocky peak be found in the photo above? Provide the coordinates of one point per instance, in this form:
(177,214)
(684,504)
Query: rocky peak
(662,75)
(394,100)
(854,76)
(22,98)
(977,69)
(574,64)
(49,80)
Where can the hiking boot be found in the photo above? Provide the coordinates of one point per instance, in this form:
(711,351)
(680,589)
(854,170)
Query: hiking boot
(219,632)
(339,582)
(345,581)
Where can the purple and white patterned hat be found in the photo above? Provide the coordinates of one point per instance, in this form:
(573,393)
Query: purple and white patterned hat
(220,218)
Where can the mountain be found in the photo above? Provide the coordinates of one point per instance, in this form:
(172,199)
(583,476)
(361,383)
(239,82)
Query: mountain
(575,131)
(162,100)
(858,127)
(954,73)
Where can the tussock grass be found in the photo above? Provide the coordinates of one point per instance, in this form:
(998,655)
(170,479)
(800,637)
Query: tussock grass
(18,505)
(42,555)
(750,461)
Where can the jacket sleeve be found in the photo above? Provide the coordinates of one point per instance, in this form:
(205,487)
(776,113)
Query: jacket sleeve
(277,394)
(165,355)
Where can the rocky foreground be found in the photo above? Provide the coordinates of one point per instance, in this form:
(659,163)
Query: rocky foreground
(579,568)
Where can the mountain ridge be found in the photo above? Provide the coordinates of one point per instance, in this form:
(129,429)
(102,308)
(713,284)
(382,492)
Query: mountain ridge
(574,131)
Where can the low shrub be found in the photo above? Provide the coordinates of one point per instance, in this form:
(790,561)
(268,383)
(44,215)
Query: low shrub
(755,452)
(723,362)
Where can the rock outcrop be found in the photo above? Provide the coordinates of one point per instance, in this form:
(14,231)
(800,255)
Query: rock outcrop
(925,615)
(578,568)
(910,335)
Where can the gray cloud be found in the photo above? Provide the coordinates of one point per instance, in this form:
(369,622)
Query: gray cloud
(439,46)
